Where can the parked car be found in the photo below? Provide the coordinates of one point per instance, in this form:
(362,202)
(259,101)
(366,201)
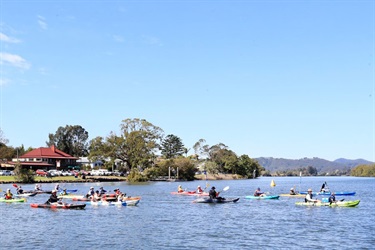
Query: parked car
(41,172)
(5,172)
(54,172)
(66,173)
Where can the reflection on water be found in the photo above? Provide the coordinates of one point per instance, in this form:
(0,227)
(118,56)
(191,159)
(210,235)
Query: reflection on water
(165,221)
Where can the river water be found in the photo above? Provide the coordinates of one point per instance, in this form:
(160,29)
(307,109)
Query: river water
(165,221)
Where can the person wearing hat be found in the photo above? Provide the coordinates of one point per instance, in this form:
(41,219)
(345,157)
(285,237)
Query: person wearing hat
(292,191)
(53,198)
(8,195)
(19,190)
(199,190)
(309,195)
(90,193)
(180,190)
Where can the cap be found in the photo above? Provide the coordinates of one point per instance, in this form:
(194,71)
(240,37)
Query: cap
(309,190)
(8,189)
(91,187)
(199,186)
(213,187)
(54,191)
(101,187)
(291,188)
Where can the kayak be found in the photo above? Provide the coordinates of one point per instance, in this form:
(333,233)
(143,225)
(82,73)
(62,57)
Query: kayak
(190,193)
(70,196)
(209,200)
(293,195)
(83,198)
(26,195)
(71,190)
(37,191)
(56,205)
(12,200)
(114,203)
(329,193)
(267,197)
(333,204)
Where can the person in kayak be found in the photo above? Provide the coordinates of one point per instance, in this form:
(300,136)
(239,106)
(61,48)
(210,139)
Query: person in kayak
(292,191)
(180,190)
(8,195)
(308,197)
(53,198)
(199,190)
(64,192)
(102,191)
(19,190)
(215,195)
(332,198)
(91,192)
(96,196)
(258,192)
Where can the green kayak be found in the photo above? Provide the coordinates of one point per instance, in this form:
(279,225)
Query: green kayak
(12,200)
(334,204)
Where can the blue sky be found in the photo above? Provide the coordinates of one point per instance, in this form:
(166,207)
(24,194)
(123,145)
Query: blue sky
(283,79)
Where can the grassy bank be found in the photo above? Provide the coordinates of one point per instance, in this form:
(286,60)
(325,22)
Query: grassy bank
(39,179)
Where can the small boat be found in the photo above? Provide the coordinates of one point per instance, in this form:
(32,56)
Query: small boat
(209,200)
(265,197)
(328,204)
(114,203)
(84,198)
(190,193)
(58,205)
(38,192)
(329,193)
(69,196)
(293,195)
(12,200)
(26,194)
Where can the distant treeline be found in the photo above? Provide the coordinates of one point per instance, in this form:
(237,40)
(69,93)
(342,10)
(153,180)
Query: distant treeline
(305,171)
(363,171)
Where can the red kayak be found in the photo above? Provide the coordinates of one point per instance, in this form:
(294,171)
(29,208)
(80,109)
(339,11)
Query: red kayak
(190,193)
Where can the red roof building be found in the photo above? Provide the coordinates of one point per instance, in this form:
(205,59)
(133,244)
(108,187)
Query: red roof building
(46,158)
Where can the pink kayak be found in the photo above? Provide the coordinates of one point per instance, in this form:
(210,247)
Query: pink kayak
(190,193)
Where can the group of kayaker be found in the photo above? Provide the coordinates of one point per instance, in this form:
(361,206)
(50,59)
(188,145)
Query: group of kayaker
(96,195)
(309,197)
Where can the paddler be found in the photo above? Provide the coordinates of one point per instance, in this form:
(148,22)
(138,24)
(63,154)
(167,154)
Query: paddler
(19,190)
(53,198)
(199,190)
(8,195)
(308,197)
(180,190)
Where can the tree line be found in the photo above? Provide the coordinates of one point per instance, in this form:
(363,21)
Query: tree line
(142,150)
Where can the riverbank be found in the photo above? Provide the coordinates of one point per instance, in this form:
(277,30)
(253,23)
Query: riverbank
(72,179)
(66,179)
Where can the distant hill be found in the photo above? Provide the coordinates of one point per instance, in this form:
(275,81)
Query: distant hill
(322,165)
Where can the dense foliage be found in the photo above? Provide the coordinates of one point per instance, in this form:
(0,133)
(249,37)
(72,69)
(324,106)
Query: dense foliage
(364,171)
(71,140)
(23,175)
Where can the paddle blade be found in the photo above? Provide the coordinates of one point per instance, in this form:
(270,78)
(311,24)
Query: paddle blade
(15,185)
(226,188)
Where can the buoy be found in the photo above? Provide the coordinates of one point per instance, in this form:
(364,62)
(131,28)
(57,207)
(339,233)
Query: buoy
(273,184)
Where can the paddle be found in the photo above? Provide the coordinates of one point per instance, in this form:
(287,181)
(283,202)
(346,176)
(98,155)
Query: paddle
(224,189)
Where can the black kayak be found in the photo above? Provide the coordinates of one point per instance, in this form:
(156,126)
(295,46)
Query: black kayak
(209,200)
(56,205)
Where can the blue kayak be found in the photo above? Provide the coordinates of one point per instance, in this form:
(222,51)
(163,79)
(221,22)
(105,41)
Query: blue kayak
(329,193)
(266,197)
